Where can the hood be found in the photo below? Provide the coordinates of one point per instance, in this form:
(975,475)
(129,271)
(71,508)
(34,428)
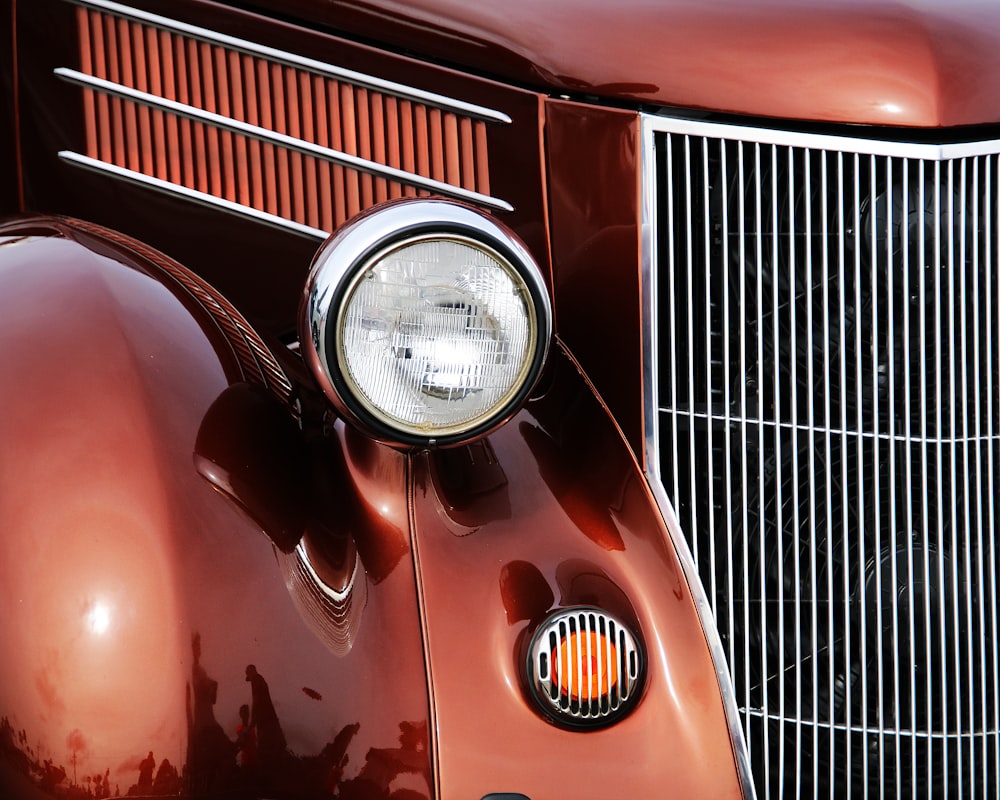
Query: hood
(888,62)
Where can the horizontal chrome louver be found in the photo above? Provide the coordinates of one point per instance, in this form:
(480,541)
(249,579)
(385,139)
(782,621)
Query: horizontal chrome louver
(828,375)
(285,140)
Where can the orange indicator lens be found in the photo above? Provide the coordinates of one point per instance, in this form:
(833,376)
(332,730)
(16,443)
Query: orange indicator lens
(585,666)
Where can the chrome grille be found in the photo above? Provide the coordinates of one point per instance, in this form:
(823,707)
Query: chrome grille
(828,424)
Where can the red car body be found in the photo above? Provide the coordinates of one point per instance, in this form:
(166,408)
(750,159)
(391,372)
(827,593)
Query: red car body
(188,526)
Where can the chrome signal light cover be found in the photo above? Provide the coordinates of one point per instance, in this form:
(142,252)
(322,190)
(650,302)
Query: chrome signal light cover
(426,322)
(585,668)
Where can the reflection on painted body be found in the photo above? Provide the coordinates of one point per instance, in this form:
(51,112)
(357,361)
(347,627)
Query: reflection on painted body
(146,609)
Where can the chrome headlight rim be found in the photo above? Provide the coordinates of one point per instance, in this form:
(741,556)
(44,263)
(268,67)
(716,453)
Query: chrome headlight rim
(344,260)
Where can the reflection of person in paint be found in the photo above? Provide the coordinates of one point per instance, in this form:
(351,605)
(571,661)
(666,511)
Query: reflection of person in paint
(264,720)
(246,739)
(204,688)
(383,765)
(210,751)
(146,767)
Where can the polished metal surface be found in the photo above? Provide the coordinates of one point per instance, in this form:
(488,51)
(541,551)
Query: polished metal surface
(342,262)
(333,611)
(203,198)
(249,129)
(823,413)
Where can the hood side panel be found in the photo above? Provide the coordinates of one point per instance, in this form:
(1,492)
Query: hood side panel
(915,63)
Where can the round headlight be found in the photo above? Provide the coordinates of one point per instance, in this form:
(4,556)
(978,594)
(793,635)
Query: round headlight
(426,322)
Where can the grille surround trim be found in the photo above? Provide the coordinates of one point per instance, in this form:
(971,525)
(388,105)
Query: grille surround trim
(650,127)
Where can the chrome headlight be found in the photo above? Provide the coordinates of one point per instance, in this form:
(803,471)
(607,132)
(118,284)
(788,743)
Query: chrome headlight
(426,322)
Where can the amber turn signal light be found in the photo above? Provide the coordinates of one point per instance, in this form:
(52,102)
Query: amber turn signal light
(585,667)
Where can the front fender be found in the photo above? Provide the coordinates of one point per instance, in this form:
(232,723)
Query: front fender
(186,534)
(552,511)
(135,596)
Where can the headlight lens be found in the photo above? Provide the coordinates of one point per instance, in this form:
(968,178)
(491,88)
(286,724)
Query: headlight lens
(428,320)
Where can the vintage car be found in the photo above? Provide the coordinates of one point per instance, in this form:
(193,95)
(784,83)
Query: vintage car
(535,401)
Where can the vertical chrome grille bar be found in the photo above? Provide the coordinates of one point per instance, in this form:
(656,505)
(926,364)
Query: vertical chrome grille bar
(990,199)
(759,272)
(706,270)
(859,558)
(828,454)
(992,267)
(892,432)
(953,458)
(793,282)
(780,505)
(983,722)
(845,522)
(924,494)
(673,334)
(960,215)
(744,436)
(939,446)
(810,454)
(876,466)
(690,334)
(727,383)
(908,383)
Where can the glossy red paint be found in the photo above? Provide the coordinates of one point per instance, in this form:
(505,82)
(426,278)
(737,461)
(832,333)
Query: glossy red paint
(919,62)
(131,582)
(539,517)
(136,596)
(596,245)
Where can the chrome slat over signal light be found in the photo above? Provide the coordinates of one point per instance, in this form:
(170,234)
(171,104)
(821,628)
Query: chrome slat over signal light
(426,322)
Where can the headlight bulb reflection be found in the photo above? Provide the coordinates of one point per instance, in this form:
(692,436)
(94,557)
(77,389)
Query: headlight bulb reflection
(457,359)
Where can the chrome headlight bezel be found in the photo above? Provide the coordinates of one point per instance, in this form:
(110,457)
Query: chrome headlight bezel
(366,242)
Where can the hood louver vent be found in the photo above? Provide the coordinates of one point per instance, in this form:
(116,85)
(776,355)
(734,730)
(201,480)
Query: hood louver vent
(286,140)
